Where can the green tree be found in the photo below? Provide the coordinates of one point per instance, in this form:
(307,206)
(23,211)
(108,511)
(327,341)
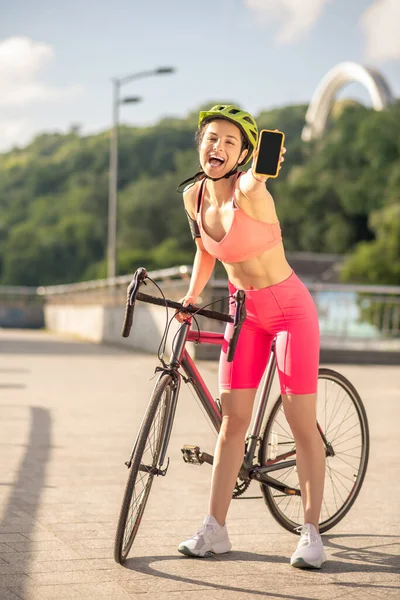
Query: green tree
(337,195)
(378,261)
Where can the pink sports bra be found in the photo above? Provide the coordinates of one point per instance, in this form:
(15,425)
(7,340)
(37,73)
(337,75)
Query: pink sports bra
(246,237)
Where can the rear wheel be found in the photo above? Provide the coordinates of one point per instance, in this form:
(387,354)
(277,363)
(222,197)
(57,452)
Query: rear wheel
(343,423)
(143,468)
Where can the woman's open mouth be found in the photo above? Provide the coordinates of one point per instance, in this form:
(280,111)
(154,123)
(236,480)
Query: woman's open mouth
(215,161)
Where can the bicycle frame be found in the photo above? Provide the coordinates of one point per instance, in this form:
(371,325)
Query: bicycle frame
(180,357)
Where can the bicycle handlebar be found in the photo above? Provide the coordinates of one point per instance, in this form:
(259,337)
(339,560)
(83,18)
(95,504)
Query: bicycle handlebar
(133,294)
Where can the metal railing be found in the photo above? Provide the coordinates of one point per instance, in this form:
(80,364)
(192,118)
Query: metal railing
(12,295)
(363,311)
(350,311)
(107,291)
(345,311)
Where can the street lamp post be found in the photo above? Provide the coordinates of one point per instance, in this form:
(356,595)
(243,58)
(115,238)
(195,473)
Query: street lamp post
(113,173)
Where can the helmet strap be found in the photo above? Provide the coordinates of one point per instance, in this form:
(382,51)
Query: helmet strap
(199,175)
(231,172)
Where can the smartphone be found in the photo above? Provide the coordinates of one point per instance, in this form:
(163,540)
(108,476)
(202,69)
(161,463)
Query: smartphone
(269,151)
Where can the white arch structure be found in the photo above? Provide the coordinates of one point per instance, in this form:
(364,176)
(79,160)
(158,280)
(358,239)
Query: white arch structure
(324,96)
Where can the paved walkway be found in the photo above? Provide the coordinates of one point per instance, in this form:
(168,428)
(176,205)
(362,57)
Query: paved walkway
(69,413)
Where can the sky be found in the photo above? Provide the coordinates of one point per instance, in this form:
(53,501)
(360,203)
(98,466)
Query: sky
(58,59)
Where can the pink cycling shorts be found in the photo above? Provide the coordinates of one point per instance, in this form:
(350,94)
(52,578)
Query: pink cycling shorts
(285,311)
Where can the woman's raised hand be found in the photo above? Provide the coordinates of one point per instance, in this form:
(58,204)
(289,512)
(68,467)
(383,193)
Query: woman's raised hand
(281,158)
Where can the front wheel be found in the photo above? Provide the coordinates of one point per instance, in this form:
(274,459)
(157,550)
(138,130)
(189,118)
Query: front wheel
(143,467)
(343,425)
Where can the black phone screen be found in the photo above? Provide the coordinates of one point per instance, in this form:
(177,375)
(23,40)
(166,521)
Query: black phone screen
(268,153)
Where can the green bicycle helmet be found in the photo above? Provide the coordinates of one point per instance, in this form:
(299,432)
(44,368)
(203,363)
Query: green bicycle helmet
(239,117)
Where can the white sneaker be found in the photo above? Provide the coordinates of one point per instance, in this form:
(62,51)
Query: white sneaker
(309,553)
(210,539)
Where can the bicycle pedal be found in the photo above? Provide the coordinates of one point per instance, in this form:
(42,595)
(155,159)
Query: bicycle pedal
(194,456)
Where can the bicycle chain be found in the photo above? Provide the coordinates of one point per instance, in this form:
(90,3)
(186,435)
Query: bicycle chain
(240,487)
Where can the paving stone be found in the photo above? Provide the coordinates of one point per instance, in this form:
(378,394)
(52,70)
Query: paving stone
(26,557)
(7,594)
(63,452)
(12,567)
(38,536)
(46,592)
(20,528)
(37,546)
(110,591)
(58,566)
(11,579)
(5,538)
(70,576)
(6,548)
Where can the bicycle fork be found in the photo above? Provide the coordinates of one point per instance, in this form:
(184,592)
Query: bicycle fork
(171,371)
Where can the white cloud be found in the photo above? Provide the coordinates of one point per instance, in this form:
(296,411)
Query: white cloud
(21,61)
(381,25)
(15,132)
(297,16)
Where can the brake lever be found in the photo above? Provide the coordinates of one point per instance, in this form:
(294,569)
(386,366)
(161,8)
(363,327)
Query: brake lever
(138,278)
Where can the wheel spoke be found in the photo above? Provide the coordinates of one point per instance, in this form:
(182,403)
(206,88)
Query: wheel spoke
(335,410)
(345,461)
(348,440)
(335,488)
(358,458)
(348,449)
(284,477)
(326,507)
(342,422)
(288,433)
(344,433)
(330,432)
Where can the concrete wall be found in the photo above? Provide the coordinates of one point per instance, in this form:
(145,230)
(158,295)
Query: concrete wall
(21,317)
(101,323)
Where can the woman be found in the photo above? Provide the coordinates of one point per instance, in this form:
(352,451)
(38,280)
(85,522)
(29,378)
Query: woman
(232,218)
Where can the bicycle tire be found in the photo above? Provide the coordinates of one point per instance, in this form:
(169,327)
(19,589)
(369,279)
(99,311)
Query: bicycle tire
(274,499)
(124,537)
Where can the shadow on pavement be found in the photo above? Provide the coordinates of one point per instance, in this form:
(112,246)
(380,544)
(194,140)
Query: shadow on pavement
(144,565)
(15,370)
(30,480)
(55,347)
(367,559)
(10,386)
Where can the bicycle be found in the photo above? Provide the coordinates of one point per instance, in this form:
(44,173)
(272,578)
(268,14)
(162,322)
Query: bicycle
(341,421)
